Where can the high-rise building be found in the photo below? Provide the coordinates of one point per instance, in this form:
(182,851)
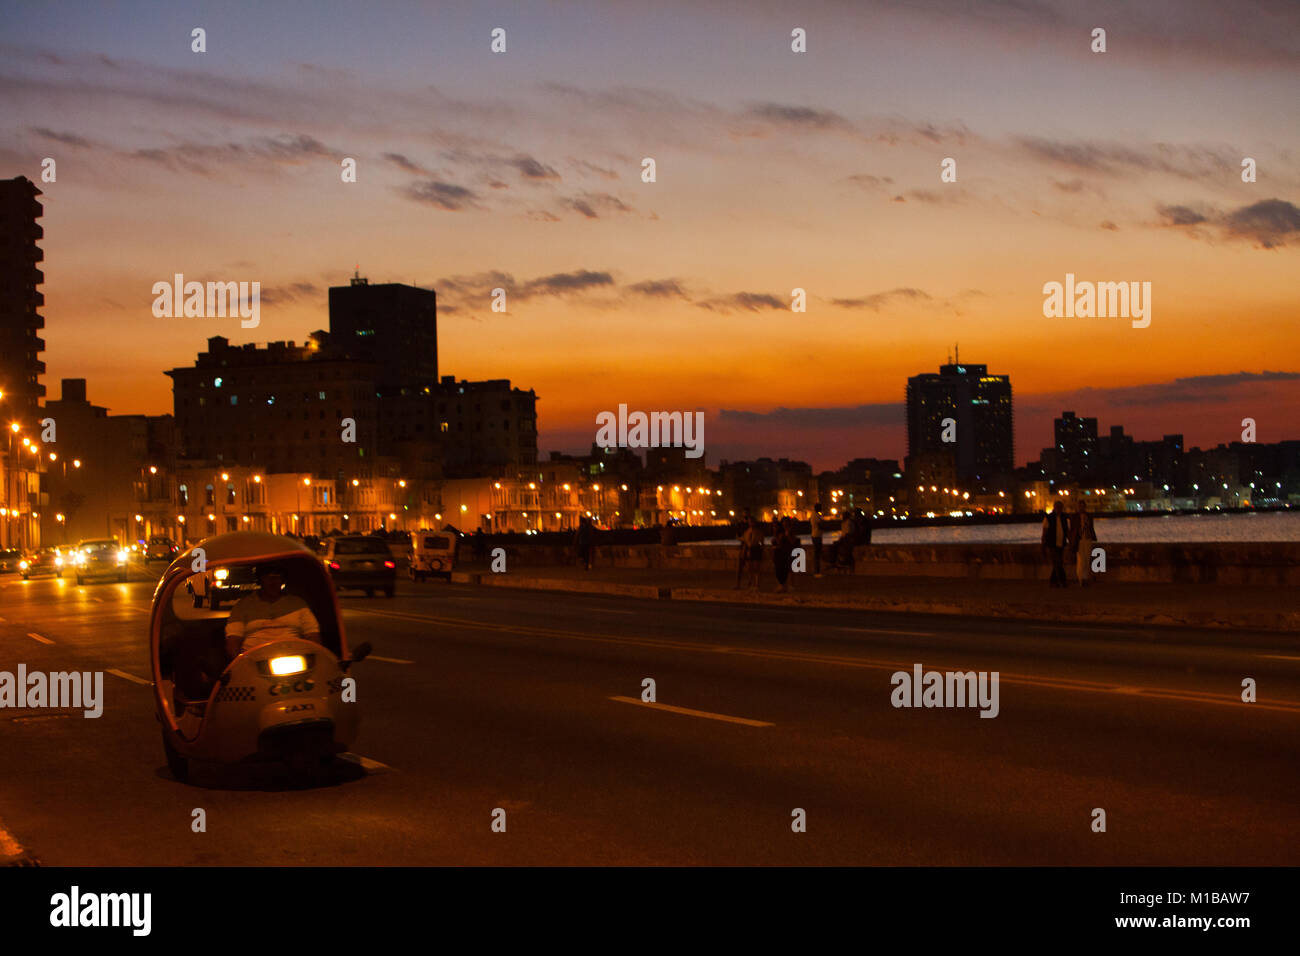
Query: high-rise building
(979,406)
(1076,446)
(20,345)
(395,326)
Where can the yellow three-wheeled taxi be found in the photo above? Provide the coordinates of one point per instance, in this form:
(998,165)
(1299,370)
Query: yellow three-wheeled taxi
(282,700)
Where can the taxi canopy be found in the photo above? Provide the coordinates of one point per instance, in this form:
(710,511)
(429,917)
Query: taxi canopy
(306,578)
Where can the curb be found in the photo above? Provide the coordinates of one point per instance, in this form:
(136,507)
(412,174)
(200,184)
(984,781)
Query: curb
(1260,621)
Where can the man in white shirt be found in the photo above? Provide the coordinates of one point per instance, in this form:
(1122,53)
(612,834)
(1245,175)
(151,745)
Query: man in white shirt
(269,615)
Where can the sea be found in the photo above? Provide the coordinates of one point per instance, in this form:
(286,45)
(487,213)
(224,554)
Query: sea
(1183,528)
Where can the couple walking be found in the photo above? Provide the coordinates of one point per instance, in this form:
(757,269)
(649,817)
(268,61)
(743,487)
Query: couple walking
(1069,537)
(784,541)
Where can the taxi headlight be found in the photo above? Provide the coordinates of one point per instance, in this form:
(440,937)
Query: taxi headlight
(58,561)
(23,565)
(290,664)
(81,557)
(221,574)
(121,556)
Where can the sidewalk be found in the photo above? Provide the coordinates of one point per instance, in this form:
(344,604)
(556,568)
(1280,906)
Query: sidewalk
(1186,605)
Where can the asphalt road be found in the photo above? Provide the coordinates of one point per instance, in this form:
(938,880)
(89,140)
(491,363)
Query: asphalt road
(480,699)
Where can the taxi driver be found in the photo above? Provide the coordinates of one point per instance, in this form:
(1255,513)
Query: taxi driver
(268,614)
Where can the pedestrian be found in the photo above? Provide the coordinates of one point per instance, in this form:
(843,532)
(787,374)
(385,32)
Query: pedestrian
(1056,535)
(861,528)
(668,534)
(783,545)
(1085,537)
(815,529)
(582,540)
(752,549)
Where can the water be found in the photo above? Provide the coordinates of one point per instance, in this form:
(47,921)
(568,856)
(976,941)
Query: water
(1274,526)
(1168,529)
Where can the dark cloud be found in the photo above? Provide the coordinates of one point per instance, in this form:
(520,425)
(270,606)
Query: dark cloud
(659,289)
(868,181)
(797,116)
(880,299)
(1119,159)
(1180,215)
(743,301)
(447,196)
(565,282)
(1269,223)
(579,205)
(463,287)
(592,168)
(588,203)
(1191,389)
(278,295)
(401,162)
(287,146)
(259,152)
(68,139)
(881,413)
(1108,225)
(530,168)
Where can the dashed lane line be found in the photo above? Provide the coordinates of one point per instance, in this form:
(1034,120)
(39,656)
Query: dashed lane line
(1063,683)
(36,637)
(694,713)
(388,660)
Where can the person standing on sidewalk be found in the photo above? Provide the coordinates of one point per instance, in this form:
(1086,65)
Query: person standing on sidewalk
(815,529)
(582,540)
(1056,535)
(751,551)
(1085,537)
(783,545)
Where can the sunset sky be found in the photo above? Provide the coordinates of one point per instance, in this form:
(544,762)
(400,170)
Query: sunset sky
(775,170)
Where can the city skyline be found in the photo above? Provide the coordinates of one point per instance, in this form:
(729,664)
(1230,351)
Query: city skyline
(776,171)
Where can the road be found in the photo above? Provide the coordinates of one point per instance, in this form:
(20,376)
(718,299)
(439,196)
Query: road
(530,702)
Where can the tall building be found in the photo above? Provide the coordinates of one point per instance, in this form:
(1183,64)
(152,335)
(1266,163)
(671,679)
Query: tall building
(395,326)
(485,428)
(979,405)
(20,345)
(1076,446)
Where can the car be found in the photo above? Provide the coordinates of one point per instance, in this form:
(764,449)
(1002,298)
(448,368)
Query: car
(9,560)
(42,561)
(222,586)
(160,549)
(99,557)
(361,561)
(432,552)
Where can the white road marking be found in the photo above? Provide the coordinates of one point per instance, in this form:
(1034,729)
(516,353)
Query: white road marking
(1279,657)
(37,637)
(883,630)
(388,660)
(366,764)
(694,713)
(1067,684)
(131,677)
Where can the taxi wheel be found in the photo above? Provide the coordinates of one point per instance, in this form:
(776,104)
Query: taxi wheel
(178,765)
